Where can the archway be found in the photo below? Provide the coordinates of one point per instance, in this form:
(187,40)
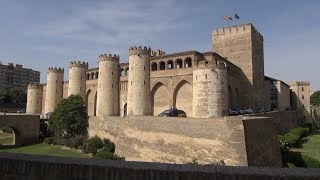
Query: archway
(230,97)
(122,72)
(126,71)
(91,101)
(9,136)
(188,62)
(125,109)
(88,76)
(97,75)
(92,75)
(170,64)
(182,97)
(159,99)
(154,66)
(162,65)
(179,63)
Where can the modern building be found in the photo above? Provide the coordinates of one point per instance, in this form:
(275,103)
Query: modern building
(14,75)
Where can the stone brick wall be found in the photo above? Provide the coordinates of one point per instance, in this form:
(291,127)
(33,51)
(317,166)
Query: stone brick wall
(261,143)
(182,140)
(34,167)
(25,127)
(283,121)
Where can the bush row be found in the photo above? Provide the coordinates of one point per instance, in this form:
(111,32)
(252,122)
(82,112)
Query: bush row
(290,139)
(102,149)
(295,159)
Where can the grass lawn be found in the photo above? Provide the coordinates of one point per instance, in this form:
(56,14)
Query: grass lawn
(6,138)
(45,149)
(310,145)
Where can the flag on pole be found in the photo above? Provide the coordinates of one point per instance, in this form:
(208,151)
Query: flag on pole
(230,18)
(236,16)
(224,18)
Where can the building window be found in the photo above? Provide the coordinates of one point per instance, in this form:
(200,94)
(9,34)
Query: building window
(302,89)
(302,96)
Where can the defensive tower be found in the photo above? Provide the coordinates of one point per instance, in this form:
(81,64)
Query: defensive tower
(139,81)
(108,85)
(54,92)
(210,89)
(243,46)
(34,98)
(77,78)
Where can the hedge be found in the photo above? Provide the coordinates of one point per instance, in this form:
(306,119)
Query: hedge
(300,160)
(290,139)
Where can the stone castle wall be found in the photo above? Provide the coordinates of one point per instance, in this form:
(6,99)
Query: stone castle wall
(182,140)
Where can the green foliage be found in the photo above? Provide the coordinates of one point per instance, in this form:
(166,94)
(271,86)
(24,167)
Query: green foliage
(77,141)
(108,146)
(6,129)
(307,125)
(290,139)
(315,98)
(289,165)
(107,155)
(92,145)
(13,95)
(69,119)
(300,160)
(49,140)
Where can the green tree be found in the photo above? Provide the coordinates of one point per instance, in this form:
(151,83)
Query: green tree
(315,98)
(69,118)
(17,95)
(4,96)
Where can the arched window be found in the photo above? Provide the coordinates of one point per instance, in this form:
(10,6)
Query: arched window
(162,65)
(170,64)
(154,66)
(127,71)
(122,73)
(188,62)
(88,76)
(92,75)
(179,63)
(97,75)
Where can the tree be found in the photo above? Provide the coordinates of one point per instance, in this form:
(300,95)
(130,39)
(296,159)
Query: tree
(18,95)
(315,98)
(69,118)
(4,96)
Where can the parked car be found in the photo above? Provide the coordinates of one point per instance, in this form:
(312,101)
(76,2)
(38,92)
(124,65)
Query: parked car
(173,112)
(233,112)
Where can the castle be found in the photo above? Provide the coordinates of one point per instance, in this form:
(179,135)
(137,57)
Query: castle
(204,85)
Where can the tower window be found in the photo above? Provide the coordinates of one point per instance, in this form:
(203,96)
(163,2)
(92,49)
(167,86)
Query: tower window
(144,82)
(302,89)
(144,67)
(302,96)
(112,72)
(206,76)
(112,86)
(131,82)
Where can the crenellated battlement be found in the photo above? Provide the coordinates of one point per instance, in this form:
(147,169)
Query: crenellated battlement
(78,64)
(110,57)
(139,50)
(34,86)
(56,70)
(232,30)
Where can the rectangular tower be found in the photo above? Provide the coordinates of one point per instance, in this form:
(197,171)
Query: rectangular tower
(243,46)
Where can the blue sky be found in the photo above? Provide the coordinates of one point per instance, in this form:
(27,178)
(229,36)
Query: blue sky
(43,33)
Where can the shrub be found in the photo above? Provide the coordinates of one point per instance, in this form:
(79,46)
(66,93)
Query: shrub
(107,155)
(290,139)
(48,140)
(92,145)
(77,141)
(300,160)
(108,146)
(308,125)
(289,165)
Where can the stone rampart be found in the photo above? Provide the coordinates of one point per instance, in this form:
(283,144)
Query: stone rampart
(31,167)
(183,140)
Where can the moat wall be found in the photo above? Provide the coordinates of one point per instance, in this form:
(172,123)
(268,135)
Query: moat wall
(182,140)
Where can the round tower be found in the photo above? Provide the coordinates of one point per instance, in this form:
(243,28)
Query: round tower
(209,89)
(34,99)
(108,85)
(77,78)
(54,92)
(139,81)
